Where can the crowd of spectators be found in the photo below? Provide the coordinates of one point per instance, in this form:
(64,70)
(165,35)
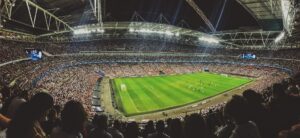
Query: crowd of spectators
(79,81)
(12,50)
(265,111)
(270,113)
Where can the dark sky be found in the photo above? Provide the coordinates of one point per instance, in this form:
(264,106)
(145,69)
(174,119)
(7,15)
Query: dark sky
(234,15)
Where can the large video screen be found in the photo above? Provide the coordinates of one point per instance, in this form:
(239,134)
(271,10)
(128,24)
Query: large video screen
(248,56)
(34,54)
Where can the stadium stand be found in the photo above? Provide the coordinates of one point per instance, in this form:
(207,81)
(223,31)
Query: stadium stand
(275,106)
(68,92)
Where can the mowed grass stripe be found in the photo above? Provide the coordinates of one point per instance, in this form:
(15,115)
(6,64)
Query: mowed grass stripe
(192,79)
(138,95)
(163,92)
(154,100)
(181,91)
(159,86)
(127,104)
(172,93)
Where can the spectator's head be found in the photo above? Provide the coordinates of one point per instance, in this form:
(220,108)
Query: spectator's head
(160,126)
(132,130)
(101,121)
(252,96)
(176,128)
(40,104)
(150,127)
(236,108)
(28,114)
(73,117)
(195,127)
(278,90)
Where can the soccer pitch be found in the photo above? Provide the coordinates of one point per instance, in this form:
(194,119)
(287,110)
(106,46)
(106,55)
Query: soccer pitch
(140,95)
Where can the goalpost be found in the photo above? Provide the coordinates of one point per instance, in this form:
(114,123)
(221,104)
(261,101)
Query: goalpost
(123,87)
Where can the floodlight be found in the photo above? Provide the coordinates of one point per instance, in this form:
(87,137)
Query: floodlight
(209,39)
(81,31)
(279,37)
(168,32)
(131,30)
(100,30)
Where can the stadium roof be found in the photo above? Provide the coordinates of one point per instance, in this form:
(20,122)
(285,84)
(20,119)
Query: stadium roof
(222,15)
(268,13)
(261,20)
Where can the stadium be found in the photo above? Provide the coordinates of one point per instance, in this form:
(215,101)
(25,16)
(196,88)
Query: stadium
(149,69)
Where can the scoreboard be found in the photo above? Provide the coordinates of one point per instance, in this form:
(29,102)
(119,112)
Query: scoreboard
(248,56)
(34,54)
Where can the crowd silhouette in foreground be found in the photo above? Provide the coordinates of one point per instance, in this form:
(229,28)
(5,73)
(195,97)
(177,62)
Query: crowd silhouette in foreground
(274,113)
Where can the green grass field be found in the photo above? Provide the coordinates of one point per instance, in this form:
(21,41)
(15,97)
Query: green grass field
(140,95)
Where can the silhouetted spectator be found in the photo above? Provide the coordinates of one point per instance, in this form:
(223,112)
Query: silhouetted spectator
(195,127)
(16,102)
(26,123)
(73,117)
(258,112)
(132,130)
(176,129)
(160,128)
(225,130)
(237,109)
(284,109)
(149,128)
(115,131)
(101,123)
(51,122)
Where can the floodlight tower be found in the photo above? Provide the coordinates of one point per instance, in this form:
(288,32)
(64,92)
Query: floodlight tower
(201,14)
(97,10)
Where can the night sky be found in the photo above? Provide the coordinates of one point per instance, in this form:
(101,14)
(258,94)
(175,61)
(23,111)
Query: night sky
(224,14)
(233,16)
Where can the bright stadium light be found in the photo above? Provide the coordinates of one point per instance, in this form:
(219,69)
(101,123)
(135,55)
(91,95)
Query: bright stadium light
(279,37)
(88,31)
(149,31)
(168,32)
(100,30)
(81,31)
(131,30)
(209,39)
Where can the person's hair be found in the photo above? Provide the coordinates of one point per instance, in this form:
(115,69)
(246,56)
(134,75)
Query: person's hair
(150,127)
(41,102)
(28,113)
(73,117)
(236,108)
(195,127)
(132,130)
(277,90)
(160,126)
(252,96)
(176,128)
(101,121)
